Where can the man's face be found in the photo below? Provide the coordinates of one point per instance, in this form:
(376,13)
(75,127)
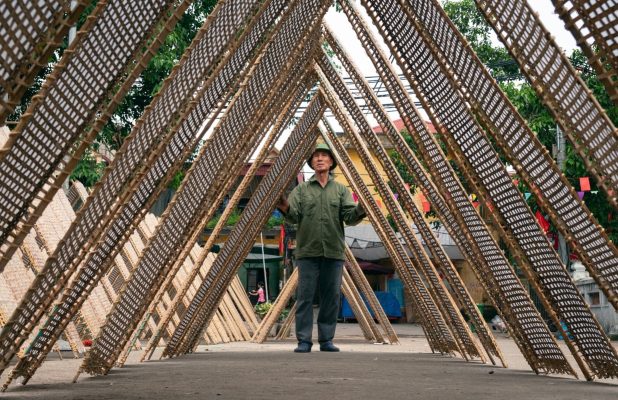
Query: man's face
(321,161)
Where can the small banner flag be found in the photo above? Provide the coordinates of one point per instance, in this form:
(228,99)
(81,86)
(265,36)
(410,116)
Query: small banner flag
(542,221)
(379,202)
(396,196)
(281,240)
(584,184)
(527,195)
(426,206)
(355,197)
(407,186)
(581,195)
(475,204)
(515,182)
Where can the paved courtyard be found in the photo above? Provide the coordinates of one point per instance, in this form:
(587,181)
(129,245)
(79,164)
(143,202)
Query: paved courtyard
(272,371)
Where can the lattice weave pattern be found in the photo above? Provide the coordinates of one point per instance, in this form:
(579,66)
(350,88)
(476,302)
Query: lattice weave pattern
(421,69)
(593,24)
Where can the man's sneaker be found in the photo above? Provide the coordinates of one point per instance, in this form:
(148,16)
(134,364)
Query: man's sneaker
(303,347)
(328,346)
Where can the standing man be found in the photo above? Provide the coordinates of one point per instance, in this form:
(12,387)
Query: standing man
(319,207)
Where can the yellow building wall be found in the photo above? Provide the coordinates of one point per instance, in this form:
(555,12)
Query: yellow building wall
(356,160)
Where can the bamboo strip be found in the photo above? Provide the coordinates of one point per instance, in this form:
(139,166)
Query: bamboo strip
(360,281)
(359,308)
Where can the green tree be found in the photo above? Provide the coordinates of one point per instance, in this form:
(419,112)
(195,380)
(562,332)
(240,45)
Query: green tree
(473,26)
(504,69)
(140,95)
(475,29)
(151,79)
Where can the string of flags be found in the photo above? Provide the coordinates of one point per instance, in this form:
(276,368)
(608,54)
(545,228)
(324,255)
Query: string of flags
(584,186)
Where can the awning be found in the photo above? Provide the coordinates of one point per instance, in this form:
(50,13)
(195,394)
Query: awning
(373,268)
(366,244)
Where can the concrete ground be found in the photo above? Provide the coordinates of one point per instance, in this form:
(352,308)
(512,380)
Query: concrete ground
(361,370)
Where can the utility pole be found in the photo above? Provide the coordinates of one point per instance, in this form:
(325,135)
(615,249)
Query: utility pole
(72,34)
(563,250)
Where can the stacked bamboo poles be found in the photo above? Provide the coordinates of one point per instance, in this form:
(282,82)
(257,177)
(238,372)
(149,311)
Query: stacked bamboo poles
(96,306)
(21,269)
(42,27)
(482,93)
(282,121)
(589,128)
(518,254)
(15,279)
(411,267)
(48,232)
(531,333)
(44,341)
(286,326)
(593,27)
(54,123)
(269,61)
(86,229)
(295,93)
(360,310)
(426,267)
(440,258)
(461,219)
(256,213)
(99,301)
(360,281)
(200,186)
(234,309)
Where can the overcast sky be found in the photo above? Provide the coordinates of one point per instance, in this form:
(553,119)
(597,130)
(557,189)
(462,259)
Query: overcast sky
(344,33)
(338,23)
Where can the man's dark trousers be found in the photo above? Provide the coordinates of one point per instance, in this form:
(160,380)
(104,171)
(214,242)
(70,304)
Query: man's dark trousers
(327,272)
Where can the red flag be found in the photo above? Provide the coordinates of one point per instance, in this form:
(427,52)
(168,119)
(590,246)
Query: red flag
(426,205)
(281,237)
(542,221)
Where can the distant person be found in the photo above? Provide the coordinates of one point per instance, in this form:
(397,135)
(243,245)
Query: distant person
(320,207)
(259,293)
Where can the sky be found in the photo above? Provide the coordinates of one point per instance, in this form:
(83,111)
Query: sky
(344,33)
(340,27)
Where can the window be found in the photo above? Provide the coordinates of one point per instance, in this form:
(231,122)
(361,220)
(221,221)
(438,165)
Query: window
(594,298)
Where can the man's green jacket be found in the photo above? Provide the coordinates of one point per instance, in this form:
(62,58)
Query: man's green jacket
(319,212)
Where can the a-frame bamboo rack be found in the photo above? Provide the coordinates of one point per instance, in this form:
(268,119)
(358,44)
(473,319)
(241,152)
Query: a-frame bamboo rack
(241,81)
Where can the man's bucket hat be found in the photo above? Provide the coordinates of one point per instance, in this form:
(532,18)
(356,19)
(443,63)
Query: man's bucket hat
(323,147)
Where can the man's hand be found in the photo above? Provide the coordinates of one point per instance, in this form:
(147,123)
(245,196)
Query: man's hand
(283,204)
